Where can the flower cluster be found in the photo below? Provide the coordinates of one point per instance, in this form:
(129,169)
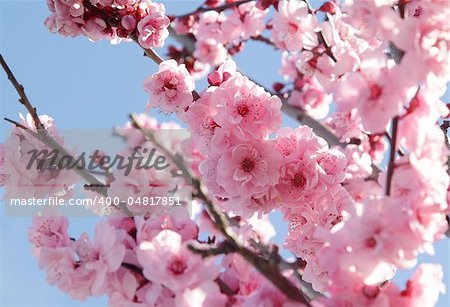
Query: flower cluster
(170,88)
(22,169)
(147,261)
(220,33)
(115,20)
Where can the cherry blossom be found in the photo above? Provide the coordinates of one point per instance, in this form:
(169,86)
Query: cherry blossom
(170,88)
(293,26)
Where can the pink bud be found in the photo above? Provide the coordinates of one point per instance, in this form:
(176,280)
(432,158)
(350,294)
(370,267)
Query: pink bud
(214,78)
(129,22)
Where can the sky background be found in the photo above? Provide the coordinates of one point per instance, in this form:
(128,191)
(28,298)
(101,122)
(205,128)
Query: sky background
(85,85)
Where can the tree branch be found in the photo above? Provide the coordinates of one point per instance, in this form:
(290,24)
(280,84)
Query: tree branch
(203,9)
(21,91)
(391,165)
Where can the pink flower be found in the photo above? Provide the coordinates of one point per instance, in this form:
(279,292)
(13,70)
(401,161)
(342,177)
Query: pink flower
(246,21)
(311,98)
(140,184)
(167,260)
(49,231)
(424,287)
(209,27)
(99,259)
(153,27)
(346,125)
(206,294)
(123,291)
(201,120)
(210,51)
(246,108)
(359,162)
(27,182)
(293,26)
(376,91)
(298,179)
(248,168)
(333,162)
(288,69)
(170,88)
(60,265)
(95,29)
(268,295)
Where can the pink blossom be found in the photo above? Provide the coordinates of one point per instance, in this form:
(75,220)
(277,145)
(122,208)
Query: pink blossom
(346,125)
(99,259)
(141,184)
(288,69)
(424,287)
(311,98)
(49,231)
(293,27)
(167,260)
(248,168)
(209,27)
(95,28)
(246,108)
(124,291)
(153,27)
(210,51)
(170,88)
(206,294)
(246,21)
(28,182)
(359,163)
(385,98)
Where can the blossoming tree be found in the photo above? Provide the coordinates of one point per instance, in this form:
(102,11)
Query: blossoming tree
(361,181)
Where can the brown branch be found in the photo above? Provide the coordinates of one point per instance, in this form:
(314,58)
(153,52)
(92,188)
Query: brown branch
(132,268)
(220,8)
(321,38)
(391,165)
(263,39)
(21,91)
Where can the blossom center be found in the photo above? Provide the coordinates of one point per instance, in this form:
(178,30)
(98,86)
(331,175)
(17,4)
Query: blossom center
(243,109)
(178,266)
(247,165)
(292,28)
(299,180)
(170,86)
(375,92)
(371,242)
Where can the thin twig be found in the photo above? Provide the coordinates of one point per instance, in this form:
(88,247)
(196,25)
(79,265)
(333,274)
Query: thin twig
(263,39)
(132,268)
(21,91)
(220,8)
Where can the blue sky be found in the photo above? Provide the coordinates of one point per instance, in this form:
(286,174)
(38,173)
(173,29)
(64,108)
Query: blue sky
(86,85)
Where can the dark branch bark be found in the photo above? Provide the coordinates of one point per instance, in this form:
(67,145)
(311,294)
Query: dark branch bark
(391,165)
(218,9)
